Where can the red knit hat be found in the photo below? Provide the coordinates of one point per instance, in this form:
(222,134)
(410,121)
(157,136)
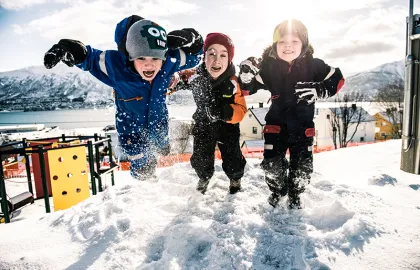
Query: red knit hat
(222,39)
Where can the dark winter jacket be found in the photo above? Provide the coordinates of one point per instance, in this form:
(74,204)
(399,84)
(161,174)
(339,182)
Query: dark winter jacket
(280,78)
(140,106)
(221,98)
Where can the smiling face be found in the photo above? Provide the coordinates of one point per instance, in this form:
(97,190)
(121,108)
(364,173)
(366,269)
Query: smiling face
(289,47)
(148,67)
(216,60)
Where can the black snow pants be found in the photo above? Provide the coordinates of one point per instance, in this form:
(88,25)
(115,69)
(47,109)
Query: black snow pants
(226,136)
(288,176)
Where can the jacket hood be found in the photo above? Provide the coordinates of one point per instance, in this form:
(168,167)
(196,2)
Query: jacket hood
(121,31)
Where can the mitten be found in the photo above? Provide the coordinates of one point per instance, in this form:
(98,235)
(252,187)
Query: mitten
(247,70)
(187,39)
(223,114)
(310,92)
(71,52)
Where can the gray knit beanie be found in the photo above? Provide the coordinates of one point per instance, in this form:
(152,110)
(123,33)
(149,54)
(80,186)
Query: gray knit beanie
(146,39)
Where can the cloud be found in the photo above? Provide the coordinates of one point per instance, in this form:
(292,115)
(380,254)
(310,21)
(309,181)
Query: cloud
(360,48)
(20,4)
(94,22)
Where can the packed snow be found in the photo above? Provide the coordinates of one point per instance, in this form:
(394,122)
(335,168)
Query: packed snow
(361,212)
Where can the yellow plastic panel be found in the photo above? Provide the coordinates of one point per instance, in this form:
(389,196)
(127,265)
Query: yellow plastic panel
(69,176)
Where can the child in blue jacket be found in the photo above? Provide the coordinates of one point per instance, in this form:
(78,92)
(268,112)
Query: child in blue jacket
(139,72)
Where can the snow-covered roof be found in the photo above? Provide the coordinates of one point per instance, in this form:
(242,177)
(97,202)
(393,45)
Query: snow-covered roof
(253,143)
(365,116)
(259,114)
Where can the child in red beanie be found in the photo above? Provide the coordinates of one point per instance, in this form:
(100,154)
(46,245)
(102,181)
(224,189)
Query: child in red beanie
(296,80)
(220,108)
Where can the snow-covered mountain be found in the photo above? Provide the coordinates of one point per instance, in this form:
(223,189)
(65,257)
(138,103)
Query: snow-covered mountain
(37,88)
(370,81)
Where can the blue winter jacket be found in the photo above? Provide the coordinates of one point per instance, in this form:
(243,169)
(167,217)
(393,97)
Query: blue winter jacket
(140,106)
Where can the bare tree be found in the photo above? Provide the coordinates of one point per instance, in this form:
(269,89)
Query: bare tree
(346,114)
(391,100)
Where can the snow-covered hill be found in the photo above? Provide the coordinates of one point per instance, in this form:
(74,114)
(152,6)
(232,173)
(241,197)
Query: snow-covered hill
(369,82)
(362,212)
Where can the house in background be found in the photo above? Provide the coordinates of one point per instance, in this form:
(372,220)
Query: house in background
(386,127)
(254,121)
(324,131)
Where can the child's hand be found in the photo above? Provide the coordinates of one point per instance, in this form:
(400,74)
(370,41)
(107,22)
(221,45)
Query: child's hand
(216,114)
(188,39)
(310,92)
(247,71)
(71,52)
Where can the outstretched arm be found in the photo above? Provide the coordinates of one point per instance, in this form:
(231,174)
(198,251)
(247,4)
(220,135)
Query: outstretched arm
(73,52)
(97,63)
(250,79)
(185,46)
(332,81)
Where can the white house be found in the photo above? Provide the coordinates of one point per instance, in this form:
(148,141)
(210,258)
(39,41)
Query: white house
(323,128)
(254,121)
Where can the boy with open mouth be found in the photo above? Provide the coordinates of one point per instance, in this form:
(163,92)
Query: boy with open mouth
(139,72)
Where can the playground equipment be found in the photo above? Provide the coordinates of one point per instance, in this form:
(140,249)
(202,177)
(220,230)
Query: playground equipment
(60,168)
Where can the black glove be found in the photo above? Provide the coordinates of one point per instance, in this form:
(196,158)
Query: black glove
(71,52)
(187,39)
(223,114)
(310,92)
(247,70)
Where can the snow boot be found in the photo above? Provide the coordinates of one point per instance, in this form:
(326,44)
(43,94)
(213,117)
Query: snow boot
(294,202)
(235,186)
(274,199)
(202,185)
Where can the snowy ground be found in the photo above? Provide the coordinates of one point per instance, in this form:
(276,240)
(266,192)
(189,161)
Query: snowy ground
(362,212)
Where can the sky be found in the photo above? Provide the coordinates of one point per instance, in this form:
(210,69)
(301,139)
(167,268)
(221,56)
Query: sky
(354,35)
(361,212)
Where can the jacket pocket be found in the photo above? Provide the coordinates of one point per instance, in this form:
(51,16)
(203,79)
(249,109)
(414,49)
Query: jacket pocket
(136,98)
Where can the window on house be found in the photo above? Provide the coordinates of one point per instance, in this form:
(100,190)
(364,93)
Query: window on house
(250,115)
(254,130)
(362,139)
(328,116)
(316,111)
(382,133)
(383,124)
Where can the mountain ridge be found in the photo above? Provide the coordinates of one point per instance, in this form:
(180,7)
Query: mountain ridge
(37,88)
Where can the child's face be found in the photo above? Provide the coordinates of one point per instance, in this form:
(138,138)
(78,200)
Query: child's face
(148,67)
(289,47)
(216,60)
